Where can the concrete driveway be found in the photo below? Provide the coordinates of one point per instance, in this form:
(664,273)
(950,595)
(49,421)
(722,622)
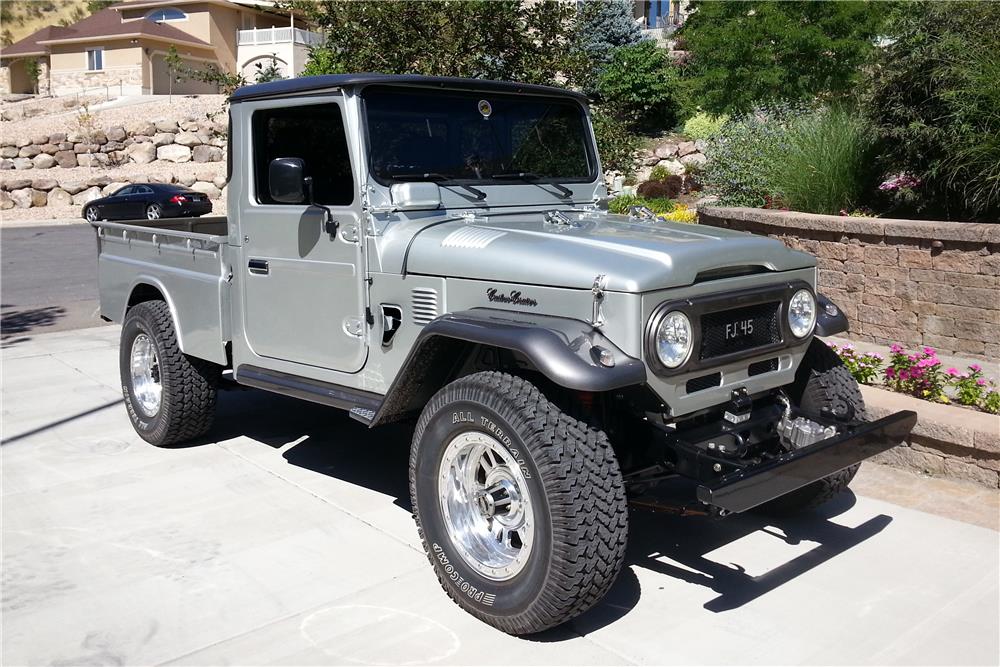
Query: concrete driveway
(286,538)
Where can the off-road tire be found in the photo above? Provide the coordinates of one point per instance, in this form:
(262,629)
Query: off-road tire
(189,385)
(821,381)
(576,489)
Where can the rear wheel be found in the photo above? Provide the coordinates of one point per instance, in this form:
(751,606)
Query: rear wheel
(169,396)
(822,381)
(154,212)
(520,507)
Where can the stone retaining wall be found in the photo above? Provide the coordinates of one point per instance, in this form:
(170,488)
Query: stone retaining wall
(188,140)
(908,281)
(47,191)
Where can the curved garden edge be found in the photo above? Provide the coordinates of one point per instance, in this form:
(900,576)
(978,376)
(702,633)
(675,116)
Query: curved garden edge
(948,441)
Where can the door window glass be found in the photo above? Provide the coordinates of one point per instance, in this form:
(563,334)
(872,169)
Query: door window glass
(314,133)
(127,190)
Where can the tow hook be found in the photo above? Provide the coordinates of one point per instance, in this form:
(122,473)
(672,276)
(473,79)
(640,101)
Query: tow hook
(738,408)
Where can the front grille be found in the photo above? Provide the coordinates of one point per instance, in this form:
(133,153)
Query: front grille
(761,367)
(740,329)
(703,382)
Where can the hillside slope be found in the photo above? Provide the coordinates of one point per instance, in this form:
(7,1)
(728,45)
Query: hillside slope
(20,18)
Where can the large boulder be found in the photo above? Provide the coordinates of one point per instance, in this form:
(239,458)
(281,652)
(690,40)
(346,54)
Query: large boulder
(5,201)
(206,188)
(88,195)
(694,159)
(163,139)
(686,148)
(21,142)
(666,150)
(57,138)
(21,198)
(23,163)
(39,198)
(66,159)
(165,125)
(75,137)
(142,127)
(86,148)
(98,137)
(207,154)
(186,180)
(17,183)
(93,159)
(164,177)
(40,139)
(50,149)
(219,182)
(116,134)
(29,151)
(6,164)
(73,187)
(173,153)
(98,181)
(187,139)
(112,147)
(44,161)
(141,153)
(44,183)
(674,167)
(8,152)
(59,197)
(188,125)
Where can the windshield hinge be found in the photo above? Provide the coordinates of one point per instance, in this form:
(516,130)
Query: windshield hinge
(600,284)
(557,218)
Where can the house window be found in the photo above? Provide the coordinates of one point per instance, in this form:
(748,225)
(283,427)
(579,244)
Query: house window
(95,59)
(166,14)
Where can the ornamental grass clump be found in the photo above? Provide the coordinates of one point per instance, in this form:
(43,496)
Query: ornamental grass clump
(917,374)
(864,366)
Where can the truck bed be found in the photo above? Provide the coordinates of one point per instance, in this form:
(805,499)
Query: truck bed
(186,260)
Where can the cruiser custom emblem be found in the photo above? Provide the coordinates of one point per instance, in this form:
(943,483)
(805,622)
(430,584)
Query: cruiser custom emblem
(514,297)
(485,108)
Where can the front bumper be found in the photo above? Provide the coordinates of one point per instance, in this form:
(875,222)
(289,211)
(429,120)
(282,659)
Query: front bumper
(745,489)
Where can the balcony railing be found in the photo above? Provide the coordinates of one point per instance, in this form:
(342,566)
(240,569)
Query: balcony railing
(278,36)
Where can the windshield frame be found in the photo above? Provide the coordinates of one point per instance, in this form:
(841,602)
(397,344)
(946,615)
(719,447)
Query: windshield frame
(589,140)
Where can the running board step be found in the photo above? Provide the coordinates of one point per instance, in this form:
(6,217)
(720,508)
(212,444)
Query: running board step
(362,404)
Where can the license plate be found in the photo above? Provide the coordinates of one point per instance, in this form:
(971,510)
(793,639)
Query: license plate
(739,329)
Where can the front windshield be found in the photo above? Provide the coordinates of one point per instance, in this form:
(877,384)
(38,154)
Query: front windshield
(476,137)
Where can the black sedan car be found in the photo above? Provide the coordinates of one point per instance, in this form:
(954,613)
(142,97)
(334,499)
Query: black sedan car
(148,200)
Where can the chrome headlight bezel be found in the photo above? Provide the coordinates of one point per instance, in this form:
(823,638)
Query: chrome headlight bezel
(801,328)
(674,319)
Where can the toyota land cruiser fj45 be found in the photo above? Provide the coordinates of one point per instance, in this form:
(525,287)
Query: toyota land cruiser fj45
(440,250)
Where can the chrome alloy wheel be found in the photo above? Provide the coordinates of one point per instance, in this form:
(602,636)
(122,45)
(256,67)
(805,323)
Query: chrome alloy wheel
(486,505)
(153,212)
(146,385)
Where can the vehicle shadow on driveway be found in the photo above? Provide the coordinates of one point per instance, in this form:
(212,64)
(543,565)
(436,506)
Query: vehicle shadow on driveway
(16,321)
(677,547)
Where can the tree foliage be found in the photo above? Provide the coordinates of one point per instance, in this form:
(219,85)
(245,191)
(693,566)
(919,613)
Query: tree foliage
(638,84)
(491,39)
(602,26)
(745,53)
(935,100)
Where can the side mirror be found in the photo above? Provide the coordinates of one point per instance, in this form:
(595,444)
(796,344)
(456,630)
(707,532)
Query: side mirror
(287,181)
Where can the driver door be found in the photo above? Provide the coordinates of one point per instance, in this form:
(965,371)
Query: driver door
(303,285)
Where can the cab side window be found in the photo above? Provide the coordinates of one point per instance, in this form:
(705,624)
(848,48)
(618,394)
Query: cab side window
(314,133)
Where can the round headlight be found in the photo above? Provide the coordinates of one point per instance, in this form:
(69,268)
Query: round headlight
(673,339)
(802,313)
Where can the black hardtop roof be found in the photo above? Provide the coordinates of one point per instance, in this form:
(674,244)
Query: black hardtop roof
(304,84)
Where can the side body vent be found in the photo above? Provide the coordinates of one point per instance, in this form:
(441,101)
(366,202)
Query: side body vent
(424,304)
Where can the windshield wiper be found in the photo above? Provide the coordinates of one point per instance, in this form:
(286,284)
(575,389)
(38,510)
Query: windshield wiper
(433,176)
(529,177)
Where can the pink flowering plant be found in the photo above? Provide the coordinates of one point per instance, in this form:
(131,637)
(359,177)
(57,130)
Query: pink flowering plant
(918,374)
(864,366)
(974,390)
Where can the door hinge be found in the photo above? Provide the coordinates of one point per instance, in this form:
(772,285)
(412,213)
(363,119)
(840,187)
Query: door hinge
(349,233)
(369,318)
(353,326)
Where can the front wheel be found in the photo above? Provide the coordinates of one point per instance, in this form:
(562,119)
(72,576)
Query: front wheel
(521,508)
(91,214)
(822,381)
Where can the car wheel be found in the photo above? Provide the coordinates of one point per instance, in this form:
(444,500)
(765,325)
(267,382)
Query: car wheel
(822,381)
(153,212)
(90,213)
(169,396)
(521,508)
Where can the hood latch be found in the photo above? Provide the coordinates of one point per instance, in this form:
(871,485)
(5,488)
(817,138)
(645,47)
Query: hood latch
(600,284)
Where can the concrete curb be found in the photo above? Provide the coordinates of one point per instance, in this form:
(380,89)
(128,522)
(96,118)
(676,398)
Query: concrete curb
(948,441)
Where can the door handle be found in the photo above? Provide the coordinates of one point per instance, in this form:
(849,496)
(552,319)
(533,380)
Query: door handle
(258,266)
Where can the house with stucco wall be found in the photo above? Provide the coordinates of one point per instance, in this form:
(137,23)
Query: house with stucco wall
(125,47)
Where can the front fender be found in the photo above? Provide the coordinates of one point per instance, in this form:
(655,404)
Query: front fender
(559,348)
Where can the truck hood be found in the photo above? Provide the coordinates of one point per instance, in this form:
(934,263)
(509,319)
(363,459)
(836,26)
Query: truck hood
(635,256)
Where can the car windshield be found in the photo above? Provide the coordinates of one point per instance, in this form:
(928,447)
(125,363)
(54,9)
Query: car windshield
(476,137)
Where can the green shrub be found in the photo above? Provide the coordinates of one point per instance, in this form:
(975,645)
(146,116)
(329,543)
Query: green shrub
(615,143)
(703,125)
(826,165)
(622,203)
(659,173)
(637,86)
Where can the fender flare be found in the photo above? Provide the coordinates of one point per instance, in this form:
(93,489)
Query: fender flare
(560,348)
(830,319)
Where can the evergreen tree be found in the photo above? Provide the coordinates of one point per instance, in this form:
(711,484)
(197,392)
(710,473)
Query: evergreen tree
(603,26)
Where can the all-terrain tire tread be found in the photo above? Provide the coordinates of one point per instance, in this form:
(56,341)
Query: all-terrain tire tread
(190,385)
(585,491)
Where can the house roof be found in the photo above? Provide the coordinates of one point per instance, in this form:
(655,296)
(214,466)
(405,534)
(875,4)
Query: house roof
(303,84)
(107,23)
(29,46)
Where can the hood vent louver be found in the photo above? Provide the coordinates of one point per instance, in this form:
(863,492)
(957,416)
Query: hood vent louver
(475,238)
(424,304)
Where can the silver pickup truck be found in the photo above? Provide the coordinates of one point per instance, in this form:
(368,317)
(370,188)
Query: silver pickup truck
(439,250)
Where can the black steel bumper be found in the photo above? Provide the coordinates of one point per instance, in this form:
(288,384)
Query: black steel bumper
(748,488)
